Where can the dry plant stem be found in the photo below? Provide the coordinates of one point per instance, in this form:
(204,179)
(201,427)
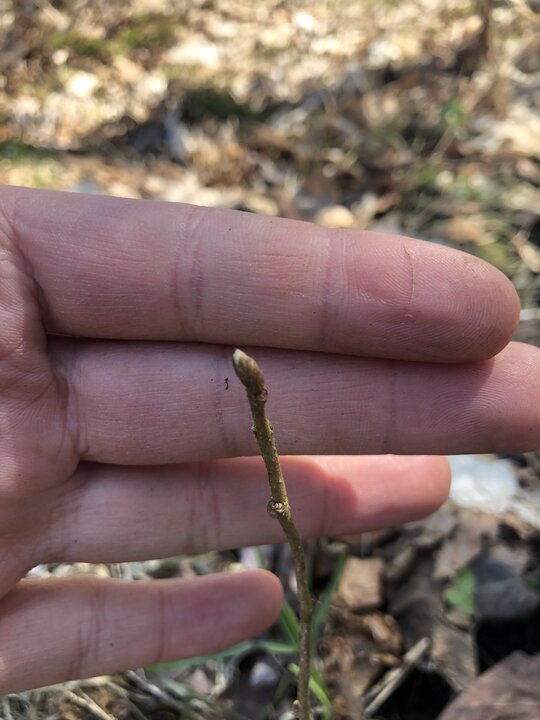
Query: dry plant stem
(252,378)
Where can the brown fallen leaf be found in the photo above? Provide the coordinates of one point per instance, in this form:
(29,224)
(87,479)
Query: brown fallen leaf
(360,587)
(356,651)
(509,691)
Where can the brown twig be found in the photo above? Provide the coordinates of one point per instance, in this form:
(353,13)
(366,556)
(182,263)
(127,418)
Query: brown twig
(379,694)
(84,701)
(279,508)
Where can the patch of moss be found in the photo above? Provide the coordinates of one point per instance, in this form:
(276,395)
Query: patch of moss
(499,254)
(210,102)
(18,152)
(145,31)
(24,166)
(154,32)
(424,177)
(460,591)
(80,45)
(466,10)
(46,176)
(453,116)
(465,189)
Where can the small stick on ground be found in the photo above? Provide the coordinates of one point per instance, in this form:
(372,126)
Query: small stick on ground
(380,693)
(278,507)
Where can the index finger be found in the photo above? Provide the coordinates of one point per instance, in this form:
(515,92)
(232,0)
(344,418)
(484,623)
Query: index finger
(130,269)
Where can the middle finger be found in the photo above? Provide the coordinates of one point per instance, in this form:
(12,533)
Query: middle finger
(163,403)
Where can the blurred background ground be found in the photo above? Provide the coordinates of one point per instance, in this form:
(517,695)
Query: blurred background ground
(415,116)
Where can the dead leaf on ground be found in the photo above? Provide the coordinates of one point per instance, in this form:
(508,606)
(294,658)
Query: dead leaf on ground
(360,586)
(509,691)
(357,650)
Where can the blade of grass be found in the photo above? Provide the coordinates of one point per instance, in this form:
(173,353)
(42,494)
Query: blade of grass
(323,606)
(273,647)
(285,681)
(317,687)
(288,619)
(289,624)
(261,559)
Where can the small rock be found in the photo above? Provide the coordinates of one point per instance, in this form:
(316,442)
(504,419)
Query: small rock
(200,682)
(482,483)
(263,673)
(86,185)
(81,85)
(336,216)
(500,592)
(196,51)
(262,205)
(304,21)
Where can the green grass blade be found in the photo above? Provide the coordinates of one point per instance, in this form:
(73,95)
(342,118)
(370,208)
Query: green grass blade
(323,606)
(284,684)
(289,624)
(273,647)
(288,620)
(317,687)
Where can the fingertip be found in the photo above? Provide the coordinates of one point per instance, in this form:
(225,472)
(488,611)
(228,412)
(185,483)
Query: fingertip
(411,487)
(510,309)
(432,477)
(94,626)
(468,308)
(265,593)
(218,611)
(497,312)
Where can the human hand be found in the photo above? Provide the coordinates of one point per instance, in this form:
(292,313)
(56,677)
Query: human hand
(124,435)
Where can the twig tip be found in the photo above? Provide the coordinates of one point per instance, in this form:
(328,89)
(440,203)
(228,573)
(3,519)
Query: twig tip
(248,372)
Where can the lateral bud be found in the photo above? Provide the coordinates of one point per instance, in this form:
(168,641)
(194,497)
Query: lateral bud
(277,509)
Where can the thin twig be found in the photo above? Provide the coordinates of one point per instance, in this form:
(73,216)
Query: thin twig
(279,508)
(6,708)
(157,692)
(82,700)
(380,693)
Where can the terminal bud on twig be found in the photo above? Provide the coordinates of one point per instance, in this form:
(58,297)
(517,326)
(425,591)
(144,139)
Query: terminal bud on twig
(250,375)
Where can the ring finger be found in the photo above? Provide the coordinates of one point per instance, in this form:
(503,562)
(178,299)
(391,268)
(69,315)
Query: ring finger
(114,514)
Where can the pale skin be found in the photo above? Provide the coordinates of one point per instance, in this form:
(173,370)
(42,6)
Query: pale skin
(120,441)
